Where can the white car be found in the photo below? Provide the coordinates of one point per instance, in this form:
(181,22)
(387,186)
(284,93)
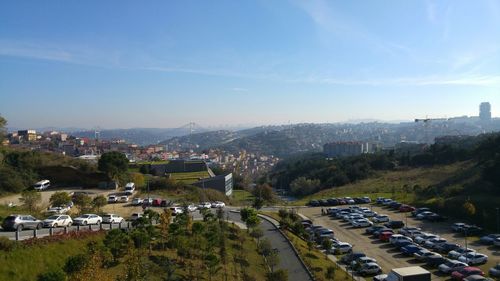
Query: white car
(42,185)
(130,188)
(192,208)
(361,223)
(422,215)
(176,210)
(370,269)
(57,221)
(362,261)
(432,243)
(111,218)
(137,201)
(205,205)
(341,248)
(124,199)
(398,237)
(87,219)
(381,218)
(474,258)
(452,265)
(424,237)
(218,204)
(369,214)
(112,199)
(58,210)
(455,254)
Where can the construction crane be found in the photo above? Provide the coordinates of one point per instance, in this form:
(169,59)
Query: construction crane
(427,122)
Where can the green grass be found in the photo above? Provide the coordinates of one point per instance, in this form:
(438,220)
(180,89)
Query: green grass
(27,262)
(189,178)
(391,184)
(242,198)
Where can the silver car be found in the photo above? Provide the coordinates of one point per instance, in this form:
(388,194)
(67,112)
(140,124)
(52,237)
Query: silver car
(20,222)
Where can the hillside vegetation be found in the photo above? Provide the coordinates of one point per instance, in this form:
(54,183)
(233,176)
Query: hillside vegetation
(444,177)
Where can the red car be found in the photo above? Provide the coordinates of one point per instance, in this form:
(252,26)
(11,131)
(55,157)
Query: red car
(406,208)
(466,272)
(156,202)
(385,236)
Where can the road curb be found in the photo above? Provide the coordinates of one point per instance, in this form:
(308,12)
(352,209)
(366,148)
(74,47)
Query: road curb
(273,222)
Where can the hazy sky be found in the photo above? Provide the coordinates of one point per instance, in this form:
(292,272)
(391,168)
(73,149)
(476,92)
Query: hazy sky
(166,63)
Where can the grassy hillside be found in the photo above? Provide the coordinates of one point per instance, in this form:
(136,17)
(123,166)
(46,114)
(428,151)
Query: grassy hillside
(444,187)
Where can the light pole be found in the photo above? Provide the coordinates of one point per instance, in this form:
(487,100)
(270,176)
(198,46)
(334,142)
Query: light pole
(498,220)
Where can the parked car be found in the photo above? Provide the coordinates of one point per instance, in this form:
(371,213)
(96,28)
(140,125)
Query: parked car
(111,218)
(458,226)
(86,219)
(136,216)
(176,210)
(424,237)
(497,242)
(385,236)
(205,205)
(406,208)
(474,258)
(362,223)
(446,247)
(192,208)
(20,222)
(58,210)
(455,254)
(42,185)
(407,230)
(495,271)
(130,188)
(465,272)
(398,237)
(156,202)
(451,265)
(394,224)
(373,228)
(381,218)
(361,261)
(422,254)
(369,269)
(409,250)
(419,210)
(435,260)
(341,248)
(123,199)
(347,259)
(147,201)
(57,220)
(313,203)
(434,242)
(423,215)
(112,199)
(489,239)
(137,201)
(471,230)
(218,204)
(377,233)
(165,203)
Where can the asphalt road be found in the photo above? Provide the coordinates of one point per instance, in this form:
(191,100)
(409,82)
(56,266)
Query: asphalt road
(387,256)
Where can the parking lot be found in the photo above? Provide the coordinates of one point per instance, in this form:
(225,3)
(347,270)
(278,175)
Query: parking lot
(387,256)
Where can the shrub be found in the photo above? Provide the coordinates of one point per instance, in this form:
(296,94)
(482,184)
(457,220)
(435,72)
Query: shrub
(6,244)
(56,275)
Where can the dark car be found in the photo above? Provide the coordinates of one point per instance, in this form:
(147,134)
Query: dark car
(372,229)
(20,222)
(358,200)
(323,202)
(385,229)
(403,243)
(394,224)
(314,203)
(349,258)
(435,261)
(333,201)
(156,202)
(446,247)
(406,208)
(410,249)
(165,203)
(471,230)
(420,210)
(435,218)
(395,205)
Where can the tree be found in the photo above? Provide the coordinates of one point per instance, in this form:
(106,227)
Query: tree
(138,179)
(3,123)
(303,186)
(258,203)
(327,245)
(82,201)
(273,259)
(212,263)
(60,198)
(330,273)
(264,192)
(265,247)
(257,233)
(469,208)
(114,164)
(278,275)
(30,199)
(98,202)
(117,242)
(55,275)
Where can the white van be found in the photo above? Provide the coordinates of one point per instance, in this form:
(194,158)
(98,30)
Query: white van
(42,185)
(129,188)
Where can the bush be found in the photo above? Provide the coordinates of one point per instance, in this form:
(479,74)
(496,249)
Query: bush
(6,244)
(56,275)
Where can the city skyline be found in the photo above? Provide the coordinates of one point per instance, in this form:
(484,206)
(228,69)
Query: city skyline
(165,64)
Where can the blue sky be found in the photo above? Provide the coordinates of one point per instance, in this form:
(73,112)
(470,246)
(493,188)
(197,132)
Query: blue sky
(166,63)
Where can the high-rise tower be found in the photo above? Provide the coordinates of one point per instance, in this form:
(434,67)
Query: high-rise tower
(485,111)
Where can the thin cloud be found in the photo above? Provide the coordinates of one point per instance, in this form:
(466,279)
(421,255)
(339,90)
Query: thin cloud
(239,89)
(431,11)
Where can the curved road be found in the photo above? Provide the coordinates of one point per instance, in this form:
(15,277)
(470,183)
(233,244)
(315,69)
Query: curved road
(288,260)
